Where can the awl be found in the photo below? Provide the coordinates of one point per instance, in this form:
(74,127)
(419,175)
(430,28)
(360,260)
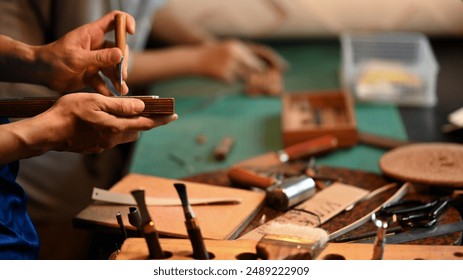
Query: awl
(244,174)
(147,226)
(120,33)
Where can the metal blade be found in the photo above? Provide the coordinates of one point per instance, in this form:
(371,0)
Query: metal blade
(421,233)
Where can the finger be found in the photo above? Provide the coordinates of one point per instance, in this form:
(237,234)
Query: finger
(121,138)
(100,86)
(249,60)
(128,136)
(123,107)
(102,58)
(143,123)
(125,63)
(125,88)
(113,75)
(163,120)
(270,56)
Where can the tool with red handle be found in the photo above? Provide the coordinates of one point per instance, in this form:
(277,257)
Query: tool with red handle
(245,173)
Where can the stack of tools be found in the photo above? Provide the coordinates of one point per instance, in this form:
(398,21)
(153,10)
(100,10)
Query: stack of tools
(308,115)
(284,243)
(281,242)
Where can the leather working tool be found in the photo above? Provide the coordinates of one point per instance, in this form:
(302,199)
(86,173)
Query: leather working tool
(417,217)
(194,232)
(120,33)
(290,192)
(420,233)
(147,225)
(382,221)
(134,219)
(120,222)
(394,198)
(248,176)
(126,199)
(415,213)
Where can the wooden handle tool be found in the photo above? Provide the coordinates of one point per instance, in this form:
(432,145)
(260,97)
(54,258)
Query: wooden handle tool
(308,148)
(194,232)
(149,231)
(246,177)
(120,33)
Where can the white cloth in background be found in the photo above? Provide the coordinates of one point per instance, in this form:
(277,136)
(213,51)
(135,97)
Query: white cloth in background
(276,19)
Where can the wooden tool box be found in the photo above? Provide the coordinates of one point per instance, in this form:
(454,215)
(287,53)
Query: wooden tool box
(180,249)
(307,115)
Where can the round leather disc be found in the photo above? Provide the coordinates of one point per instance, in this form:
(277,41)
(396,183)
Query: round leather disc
(437,164)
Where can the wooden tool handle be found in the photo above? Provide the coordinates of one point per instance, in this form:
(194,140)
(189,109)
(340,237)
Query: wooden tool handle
(222,149)
(248,178)
(380,141)
(312,147)
(29,107)
(121,31)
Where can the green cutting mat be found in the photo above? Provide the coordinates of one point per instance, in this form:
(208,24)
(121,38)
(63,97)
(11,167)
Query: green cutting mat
(215,110)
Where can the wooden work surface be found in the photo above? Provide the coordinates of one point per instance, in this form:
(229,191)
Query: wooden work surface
(362,179)
(180,249)
(218,221)
(369,181)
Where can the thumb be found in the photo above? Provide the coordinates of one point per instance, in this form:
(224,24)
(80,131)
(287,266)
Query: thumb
(126,107)
(104,58)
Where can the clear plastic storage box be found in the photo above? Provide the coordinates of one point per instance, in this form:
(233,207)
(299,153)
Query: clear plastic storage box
(392,67)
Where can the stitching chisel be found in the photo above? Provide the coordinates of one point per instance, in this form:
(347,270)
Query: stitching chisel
(147,226)
(120,33)
(194,232)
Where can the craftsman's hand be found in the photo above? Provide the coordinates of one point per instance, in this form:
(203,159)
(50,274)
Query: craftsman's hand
(73,62)
(91,123)
(234,60)
(78,122)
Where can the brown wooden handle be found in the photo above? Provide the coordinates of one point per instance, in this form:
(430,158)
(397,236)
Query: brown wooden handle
(248,178)
(380,141)
(120,31)
(224,147)
(311,147)
(29,107)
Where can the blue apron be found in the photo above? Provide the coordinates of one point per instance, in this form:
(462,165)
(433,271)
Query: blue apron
(18,237)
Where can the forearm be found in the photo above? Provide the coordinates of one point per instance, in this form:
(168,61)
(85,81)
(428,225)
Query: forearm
(23,139)
(19,62)
(154,65)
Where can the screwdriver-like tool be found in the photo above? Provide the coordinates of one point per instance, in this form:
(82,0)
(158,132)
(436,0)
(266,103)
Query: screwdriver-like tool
(147,226)
(120,33)
(194,232)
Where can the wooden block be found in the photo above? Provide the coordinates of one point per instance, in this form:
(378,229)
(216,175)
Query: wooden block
(180,249)
(307,115)
(352,251)
(29,107)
